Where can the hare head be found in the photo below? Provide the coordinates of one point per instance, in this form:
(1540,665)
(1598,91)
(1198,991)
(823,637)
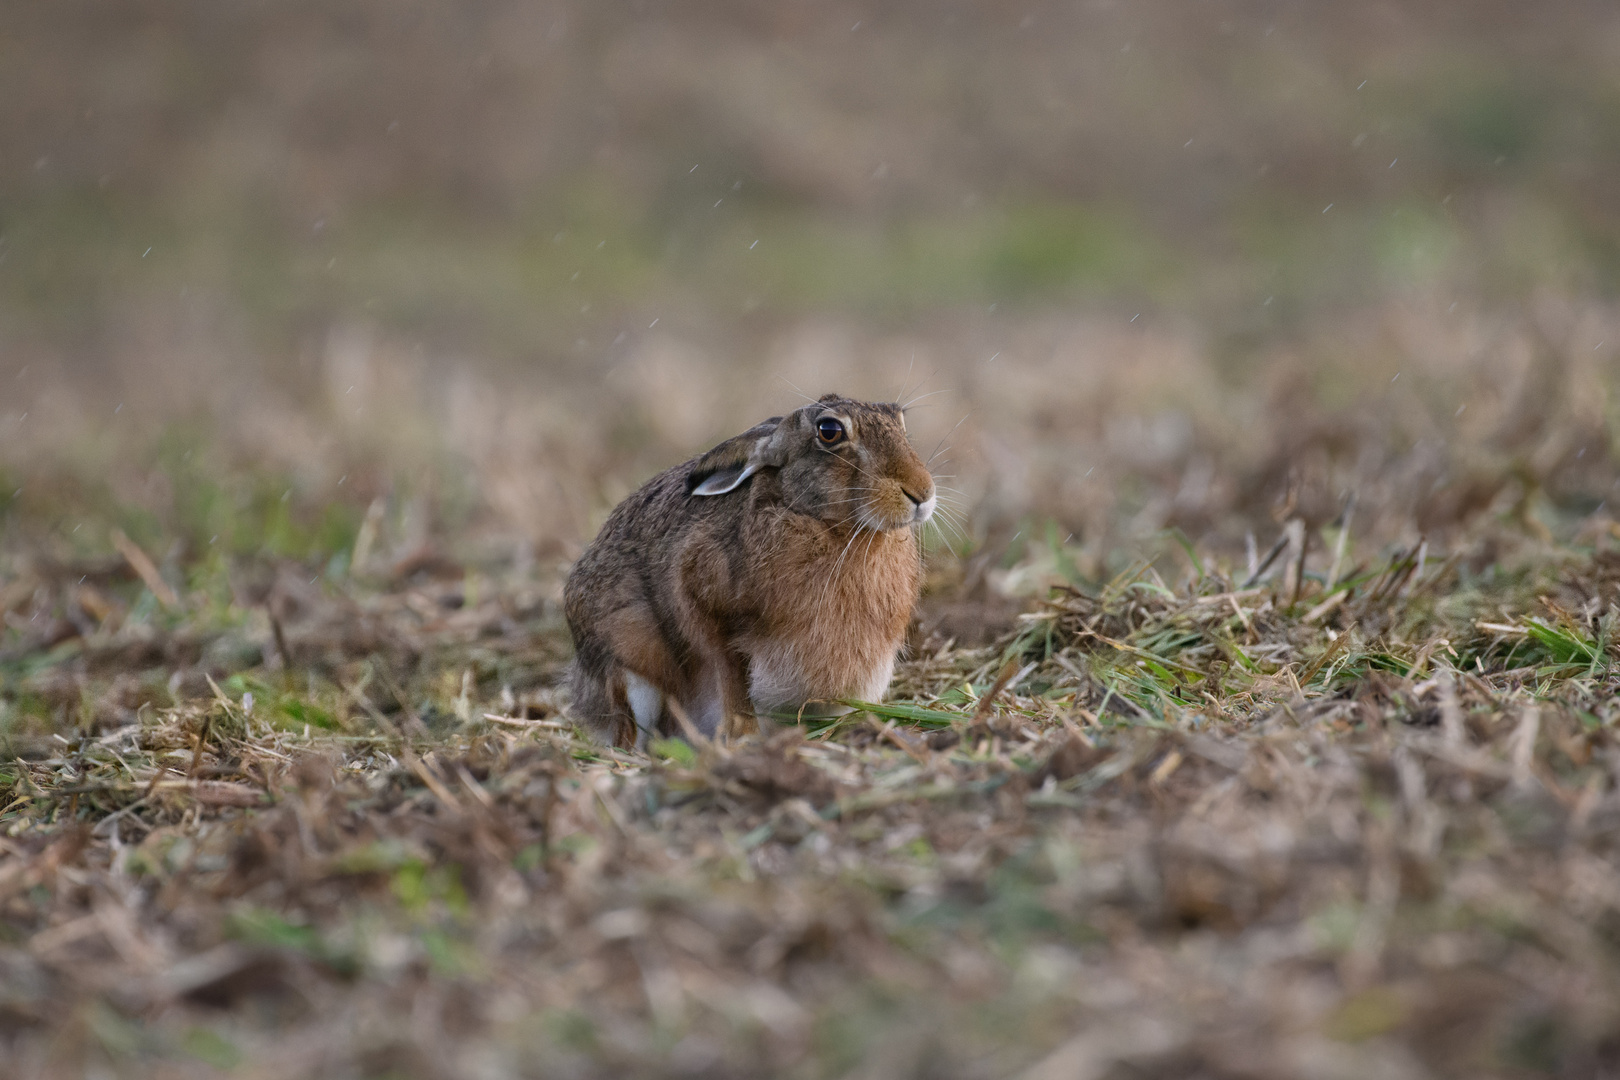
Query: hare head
(836,459)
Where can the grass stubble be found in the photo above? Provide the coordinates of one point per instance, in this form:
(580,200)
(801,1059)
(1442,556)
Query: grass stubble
(1287,820)
(298,795)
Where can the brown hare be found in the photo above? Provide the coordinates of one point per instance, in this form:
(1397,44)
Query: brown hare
(771,576)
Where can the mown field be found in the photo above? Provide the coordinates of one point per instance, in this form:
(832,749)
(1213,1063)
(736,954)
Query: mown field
(301,797)
(1258,718)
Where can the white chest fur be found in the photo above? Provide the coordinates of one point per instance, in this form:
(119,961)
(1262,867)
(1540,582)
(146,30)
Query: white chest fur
(784,684)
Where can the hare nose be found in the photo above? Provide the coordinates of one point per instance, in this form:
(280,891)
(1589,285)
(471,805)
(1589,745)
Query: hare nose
(921,508)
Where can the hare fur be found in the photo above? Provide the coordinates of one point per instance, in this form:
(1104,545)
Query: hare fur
(773,575)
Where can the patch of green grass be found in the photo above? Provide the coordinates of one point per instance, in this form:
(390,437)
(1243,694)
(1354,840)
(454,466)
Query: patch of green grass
(677,750)
(298,713)
(263,927)
(1565,645)
(211,1048)
(920,715)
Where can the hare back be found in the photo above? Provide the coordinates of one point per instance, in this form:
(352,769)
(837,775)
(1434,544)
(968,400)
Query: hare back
(638,626)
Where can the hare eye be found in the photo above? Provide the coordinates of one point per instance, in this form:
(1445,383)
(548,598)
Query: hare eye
(829,430)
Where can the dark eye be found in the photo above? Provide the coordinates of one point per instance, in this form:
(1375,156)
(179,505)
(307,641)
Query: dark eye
(829,430)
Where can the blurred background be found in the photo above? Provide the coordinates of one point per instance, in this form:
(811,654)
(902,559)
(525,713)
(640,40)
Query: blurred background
(471,272)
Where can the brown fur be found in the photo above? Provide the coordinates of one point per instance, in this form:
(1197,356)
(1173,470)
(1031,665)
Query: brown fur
(794,583)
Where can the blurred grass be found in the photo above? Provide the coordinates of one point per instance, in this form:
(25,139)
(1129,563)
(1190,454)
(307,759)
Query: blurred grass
(1105,162)
(569,271)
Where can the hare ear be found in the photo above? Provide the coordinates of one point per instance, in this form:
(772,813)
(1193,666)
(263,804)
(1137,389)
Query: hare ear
(725,467)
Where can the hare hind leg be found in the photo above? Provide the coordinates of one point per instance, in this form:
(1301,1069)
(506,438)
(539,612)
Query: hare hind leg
(718,698)
(599,704)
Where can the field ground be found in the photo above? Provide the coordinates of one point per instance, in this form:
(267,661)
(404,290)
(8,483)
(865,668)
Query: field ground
(1297,813)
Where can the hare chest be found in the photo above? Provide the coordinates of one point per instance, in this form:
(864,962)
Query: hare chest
(781,685)
(833,627)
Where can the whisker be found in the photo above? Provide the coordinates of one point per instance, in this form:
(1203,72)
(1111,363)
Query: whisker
(832,576)
(796,390)
(907,379)
(940,524)
(961,537)
(923,397)
(865,473)
(951,514)
(945,540)
(948,434)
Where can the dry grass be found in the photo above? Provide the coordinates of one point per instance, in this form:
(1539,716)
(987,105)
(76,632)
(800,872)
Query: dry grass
(1296,827)
(286,787)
